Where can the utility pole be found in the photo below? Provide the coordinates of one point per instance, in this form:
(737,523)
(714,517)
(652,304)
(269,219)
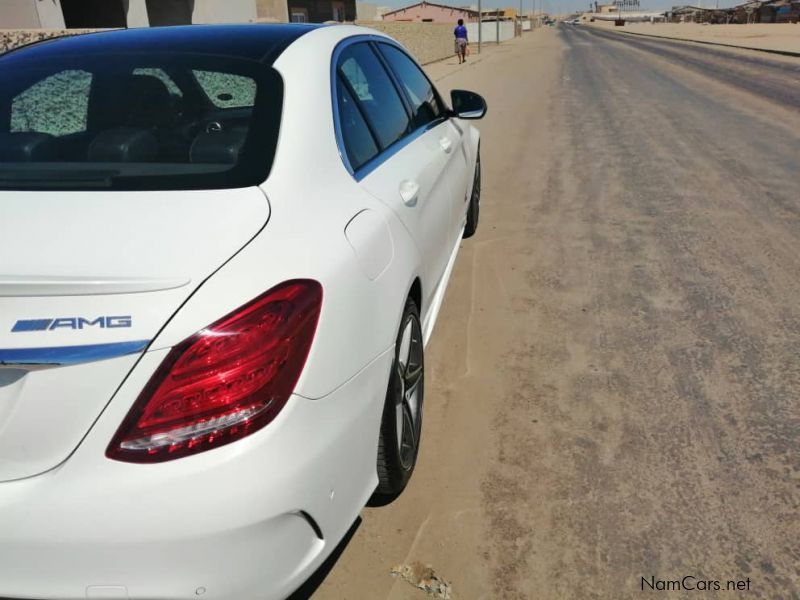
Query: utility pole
(480,26)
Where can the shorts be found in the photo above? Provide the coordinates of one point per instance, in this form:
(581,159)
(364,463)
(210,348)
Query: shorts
(461,45)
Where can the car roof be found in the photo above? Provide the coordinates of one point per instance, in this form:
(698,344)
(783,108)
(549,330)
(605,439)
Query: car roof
(255,41)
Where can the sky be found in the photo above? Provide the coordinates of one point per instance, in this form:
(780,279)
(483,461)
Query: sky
(561,6)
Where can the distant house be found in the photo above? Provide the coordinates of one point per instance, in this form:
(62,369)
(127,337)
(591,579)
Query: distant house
(768,11)
(687,14)
(605,8)
(779,11)
(95,14)
(429,12)
(745,13)
(320,11)
(502,14)
(90,14)
(698,14)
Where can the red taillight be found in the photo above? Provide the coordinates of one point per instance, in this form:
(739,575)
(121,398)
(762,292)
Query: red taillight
(225,382)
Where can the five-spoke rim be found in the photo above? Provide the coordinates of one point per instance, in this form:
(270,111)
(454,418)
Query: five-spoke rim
(408,391)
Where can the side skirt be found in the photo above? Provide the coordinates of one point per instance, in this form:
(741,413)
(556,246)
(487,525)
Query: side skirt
(436,303)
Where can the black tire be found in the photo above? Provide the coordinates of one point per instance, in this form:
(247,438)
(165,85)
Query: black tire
(398,448)
(474,209)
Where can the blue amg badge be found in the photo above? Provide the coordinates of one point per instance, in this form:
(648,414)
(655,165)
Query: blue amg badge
(26,325)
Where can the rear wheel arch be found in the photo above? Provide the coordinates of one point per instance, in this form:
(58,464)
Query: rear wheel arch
(415,293)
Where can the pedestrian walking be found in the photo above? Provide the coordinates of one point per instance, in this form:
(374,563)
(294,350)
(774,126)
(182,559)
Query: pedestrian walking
(462,40)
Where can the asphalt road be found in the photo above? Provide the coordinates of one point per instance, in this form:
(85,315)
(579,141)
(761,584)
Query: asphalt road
(613,384)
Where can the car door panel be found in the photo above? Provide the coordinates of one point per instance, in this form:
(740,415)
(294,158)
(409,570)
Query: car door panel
(405,166)
(428,214)
(457,174)
(428,109)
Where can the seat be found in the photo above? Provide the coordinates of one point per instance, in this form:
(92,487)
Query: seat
(27,146)
(218,146)
(148,103)
(143,102)
(124,144)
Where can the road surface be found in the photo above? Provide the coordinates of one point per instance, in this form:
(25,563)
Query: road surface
(613,383)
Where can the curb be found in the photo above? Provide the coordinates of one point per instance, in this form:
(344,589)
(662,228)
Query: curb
(663,37)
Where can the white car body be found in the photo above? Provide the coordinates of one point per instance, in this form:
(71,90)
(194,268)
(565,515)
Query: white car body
(253,518)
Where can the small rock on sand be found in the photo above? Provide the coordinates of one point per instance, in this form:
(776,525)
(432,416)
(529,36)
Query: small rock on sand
(425,578)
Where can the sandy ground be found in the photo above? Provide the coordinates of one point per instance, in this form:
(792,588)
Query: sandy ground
(774,36)
(613,382)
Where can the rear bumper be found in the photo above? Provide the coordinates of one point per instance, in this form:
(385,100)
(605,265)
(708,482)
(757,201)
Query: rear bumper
(249,520)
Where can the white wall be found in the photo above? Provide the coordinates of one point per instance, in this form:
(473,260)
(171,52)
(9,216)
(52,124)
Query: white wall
(18,14)
(50,14)
(489,31)
(272,10)
(366,11)
(137,13)
(31,14)
(229,11)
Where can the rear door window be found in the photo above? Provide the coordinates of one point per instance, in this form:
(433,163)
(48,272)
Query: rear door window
(372,88)
(425,104)
(359,144)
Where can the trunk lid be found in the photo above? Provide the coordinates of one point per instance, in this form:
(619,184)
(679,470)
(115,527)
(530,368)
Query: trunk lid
(87,280)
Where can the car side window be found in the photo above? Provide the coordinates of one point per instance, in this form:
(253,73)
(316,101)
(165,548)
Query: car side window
(359,145)
(425,104)
(57,105)
(227,90)
(374,92)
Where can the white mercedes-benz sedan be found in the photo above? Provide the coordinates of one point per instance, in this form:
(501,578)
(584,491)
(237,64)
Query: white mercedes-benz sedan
(222,252)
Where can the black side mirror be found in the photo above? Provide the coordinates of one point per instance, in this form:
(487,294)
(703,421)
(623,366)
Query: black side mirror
(468,105)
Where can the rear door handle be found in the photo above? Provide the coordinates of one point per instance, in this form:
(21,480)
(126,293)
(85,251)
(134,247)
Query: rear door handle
(446,144)
(409,191)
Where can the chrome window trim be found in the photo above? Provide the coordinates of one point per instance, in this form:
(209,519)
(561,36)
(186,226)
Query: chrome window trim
(58,356)
(383,155)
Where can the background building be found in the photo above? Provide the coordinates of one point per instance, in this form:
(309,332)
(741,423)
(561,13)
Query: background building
(605,8)
(429,12)
(93,14)
(320,11)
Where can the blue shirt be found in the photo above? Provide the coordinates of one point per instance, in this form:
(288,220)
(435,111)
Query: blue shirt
(460,32)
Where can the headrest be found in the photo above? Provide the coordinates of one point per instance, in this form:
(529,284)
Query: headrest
(218,146)
(124,144)
(27,146)
(148,102)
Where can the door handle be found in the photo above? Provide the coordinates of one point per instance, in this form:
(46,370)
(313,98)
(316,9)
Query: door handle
(408,192)
(446,144)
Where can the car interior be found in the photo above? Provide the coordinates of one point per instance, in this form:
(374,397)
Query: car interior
(134,118)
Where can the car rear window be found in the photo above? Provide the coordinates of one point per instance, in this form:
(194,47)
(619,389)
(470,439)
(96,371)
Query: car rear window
(137,121)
